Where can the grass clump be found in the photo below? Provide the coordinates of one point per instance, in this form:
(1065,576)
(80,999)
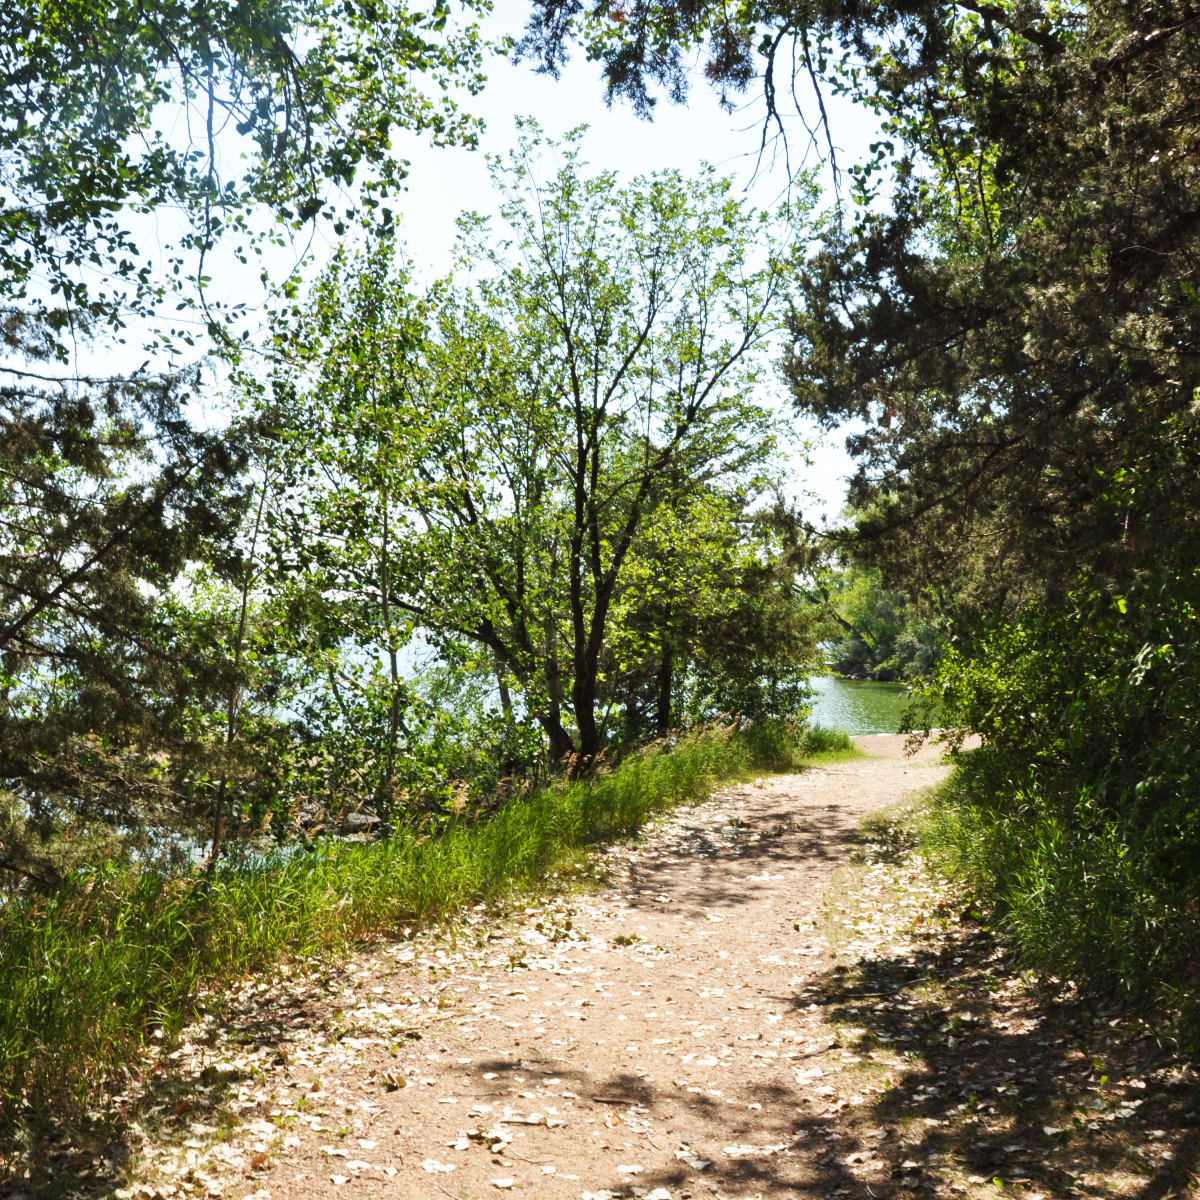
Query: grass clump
(1076,889)
(89,974)
(785,746)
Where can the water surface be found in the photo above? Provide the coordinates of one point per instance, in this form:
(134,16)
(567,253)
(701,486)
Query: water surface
(858,707)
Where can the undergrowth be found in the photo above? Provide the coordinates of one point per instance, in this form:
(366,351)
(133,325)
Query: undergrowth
(1069,886)
(86,975)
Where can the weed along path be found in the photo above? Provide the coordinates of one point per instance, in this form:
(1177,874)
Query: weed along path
(658,1038)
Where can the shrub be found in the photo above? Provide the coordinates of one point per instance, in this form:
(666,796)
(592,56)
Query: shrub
(1070,883)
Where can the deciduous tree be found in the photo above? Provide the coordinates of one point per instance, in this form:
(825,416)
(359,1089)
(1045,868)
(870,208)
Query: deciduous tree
(602,362)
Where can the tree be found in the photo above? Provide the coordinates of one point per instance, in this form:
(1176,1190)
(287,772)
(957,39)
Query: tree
(601,365)
(911,60)
(101,509)
(876,632)
(1021,333)
(113,118)
(343,514)
(1018,333)
(713,618)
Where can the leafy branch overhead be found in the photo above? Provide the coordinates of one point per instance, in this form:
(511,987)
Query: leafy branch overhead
(111,115)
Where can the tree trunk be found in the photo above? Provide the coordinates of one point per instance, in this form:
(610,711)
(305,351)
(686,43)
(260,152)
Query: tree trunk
(218,827)
(383,793)
(666,679)
(583,700)
(561,746)
(505,697)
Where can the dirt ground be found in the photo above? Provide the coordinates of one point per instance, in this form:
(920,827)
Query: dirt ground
(771,998)
(659,1045)
(664,1033)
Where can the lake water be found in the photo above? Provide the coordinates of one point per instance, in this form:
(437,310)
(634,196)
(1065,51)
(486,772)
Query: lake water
(857,707)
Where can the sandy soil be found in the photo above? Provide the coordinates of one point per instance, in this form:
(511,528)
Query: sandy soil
(668,1040)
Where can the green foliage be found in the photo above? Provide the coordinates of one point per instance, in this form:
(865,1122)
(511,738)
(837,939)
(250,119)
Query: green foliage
(86,974)
(1018,334)
(1068,882)
(126,565)
(711,619)
(309,93)
(919,62)
(104,691)
(213,638)
(504,460)
(875,634)
(785,745)
(1079,816)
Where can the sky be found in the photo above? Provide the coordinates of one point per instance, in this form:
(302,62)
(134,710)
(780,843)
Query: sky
(445,181)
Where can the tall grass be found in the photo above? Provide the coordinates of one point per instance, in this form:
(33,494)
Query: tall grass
(85,974)
(1073,889)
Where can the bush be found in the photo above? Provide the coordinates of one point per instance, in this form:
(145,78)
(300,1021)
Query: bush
(784,745)
(1069,882)
(1079,817)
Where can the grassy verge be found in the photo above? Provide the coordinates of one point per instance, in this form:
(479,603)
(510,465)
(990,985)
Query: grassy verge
(1069,889)
(983,1080)
(88,974)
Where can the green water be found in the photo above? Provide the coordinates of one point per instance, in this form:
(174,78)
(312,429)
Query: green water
(858,707)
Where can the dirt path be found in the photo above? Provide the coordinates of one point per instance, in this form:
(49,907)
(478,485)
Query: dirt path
(665,1040)
(761,1003)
